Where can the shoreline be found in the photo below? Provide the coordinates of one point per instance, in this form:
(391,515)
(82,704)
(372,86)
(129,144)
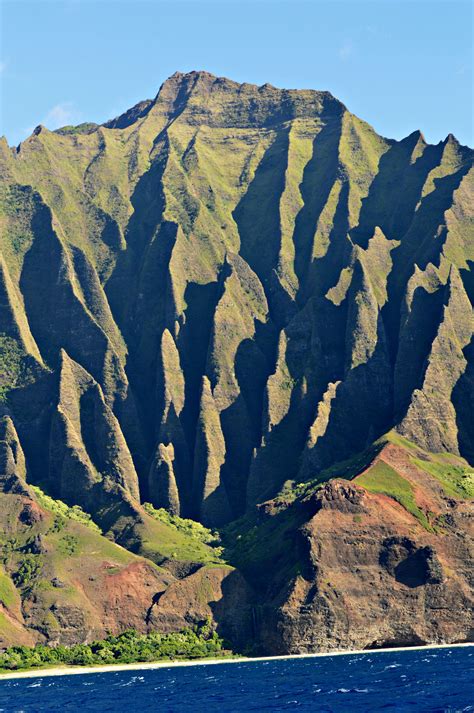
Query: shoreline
(150,665)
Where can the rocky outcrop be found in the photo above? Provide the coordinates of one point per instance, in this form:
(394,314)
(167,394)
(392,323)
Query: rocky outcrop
(219,593)
(364,573)
(162,487)
(89,457)
(209,492)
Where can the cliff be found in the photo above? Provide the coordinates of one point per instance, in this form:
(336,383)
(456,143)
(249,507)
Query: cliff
(209,304)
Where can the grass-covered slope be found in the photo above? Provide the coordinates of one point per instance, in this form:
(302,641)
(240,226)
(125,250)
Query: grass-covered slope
(63,580)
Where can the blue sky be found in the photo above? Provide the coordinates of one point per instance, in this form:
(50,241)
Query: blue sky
(399,64)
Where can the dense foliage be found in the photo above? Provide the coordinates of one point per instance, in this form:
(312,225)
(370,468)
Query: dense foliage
(186,526)
(129,647)
(63,511)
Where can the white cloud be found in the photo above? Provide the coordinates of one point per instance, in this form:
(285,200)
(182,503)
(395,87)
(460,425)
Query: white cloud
(346,51)
(60,115)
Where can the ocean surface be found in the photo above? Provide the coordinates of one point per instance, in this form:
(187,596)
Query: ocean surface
(414,680)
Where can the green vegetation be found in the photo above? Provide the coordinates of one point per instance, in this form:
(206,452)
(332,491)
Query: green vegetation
(347,469)
(398,440)
(68,544)
(263,549)
(28,570)
(8,594)
(129,647)
(381,478)
(11,364)
(454,473)
(63,512)
(170,536)
(85,128)
(186,526)
(160,542)
(457,480)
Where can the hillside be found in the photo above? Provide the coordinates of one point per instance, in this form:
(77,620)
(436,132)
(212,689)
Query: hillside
(208,304)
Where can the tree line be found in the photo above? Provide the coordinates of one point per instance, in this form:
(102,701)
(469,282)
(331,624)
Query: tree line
(128,647)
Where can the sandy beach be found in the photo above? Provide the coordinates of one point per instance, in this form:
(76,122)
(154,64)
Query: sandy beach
(106,668)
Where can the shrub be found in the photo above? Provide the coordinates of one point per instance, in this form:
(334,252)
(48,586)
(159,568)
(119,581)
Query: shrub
(186,526)
(63,512)
(28,570)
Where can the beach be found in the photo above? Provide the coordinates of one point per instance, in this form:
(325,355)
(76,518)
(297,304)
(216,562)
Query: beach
(106,668)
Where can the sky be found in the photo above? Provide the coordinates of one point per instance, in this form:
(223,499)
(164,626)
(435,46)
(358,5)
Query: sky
(399,64)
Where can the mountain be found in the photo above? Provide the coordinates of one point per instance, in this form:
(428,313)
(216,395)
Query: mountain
(237,306)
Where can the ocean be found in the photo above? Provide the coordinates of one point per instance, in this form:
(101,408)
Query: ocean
(436,680)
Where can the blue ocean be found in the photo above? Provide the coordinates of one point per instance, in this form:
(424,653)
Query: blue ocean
(432,680)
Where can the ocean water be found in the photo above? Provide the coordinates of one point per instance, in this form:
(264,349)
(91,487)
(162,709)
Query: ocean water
(432,680)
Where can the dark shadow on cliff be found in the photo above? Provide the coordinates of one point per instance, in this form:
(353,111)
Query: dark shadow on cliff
(368,384)
(193,344)
(422,243)
(233,613)
(463,401)
(242,422)
(395,190)
(258,220)
(417,333)
(319,176)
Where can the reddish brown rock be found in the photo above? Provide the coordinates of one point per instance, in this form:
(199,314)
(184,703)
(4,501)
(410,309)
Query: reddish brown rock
(370,575)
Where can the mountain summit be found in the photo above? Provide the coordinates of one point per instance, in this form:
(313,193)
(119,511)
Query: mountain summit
(243,306)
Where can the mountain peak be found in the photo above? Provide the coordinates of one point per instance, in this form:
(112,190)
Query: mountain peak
(205,77)
(202,97)
(202,73)
(138,111)
(451,139)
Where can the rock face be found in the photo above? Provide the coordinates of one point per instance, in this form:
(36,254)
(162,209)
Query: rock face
(226,290)
(352,568)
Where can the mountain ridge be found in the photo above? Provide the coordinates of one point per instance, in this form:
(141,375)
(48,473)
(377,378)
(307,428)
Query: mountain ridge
(142,107)
(221,295)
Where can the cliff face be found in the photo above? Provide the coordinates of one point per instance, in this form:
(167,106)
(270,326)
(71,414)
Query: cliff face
(221,294)
(384,560)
